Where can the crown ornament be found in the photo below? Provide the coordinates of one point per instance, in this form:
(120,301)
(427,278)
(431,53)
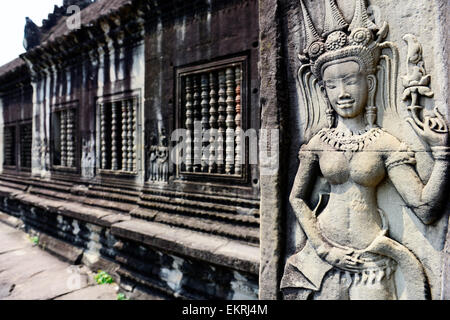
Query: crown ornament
(358,40)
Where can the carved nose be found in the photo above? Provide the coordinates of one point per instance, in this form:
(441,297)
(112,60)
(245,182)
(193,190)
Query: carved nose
(343,94)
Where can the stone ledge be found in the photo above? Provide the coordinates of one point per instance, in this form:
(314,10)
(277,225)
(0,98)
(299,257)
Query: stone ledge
(102,217)
(63,250)
(10,220)
(209,248)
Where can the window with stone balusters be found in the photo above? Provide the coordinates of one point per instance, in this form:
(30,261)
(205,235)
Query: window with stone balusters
(26,141)
(17,144)
(9,146)
(64,135)
(118,128)
(211,108)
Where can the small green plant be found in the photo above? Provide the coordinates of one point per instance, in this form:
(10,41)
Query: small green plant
(121,297)
(103,278)
(34,240)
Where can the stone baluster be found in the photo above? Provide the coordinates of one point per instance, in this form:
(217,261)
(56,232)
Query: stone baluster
(63,137)
(9,146)
(189,124)
(129,104)
(125,136)
(238,119)
(114,145)
(133,141)
(197,127)
(221,122)
(230,121)
(70,138)
(213,113)
(103,136)
(205,121)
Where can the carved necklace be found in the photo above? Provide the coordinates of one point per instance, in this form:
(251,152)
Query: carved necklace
(349,142)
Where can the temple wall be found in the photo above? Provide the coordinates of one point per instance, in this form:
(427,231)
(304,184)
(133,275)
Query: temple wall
(165,238)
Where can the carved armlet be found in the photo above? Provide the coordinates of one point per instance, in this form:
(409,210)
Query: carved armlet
(441,153)
(403,156)
(306,154)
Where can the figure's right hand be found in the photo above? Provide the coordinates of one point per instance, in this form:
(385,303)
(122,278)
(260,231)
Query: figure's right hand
(341,258)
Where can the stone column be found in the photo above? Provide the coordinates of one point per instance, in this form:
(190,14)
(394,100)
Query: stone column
(272,193)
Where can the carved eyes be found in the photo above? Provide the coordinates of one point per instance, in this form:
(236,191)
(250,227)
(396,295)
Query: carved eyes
(350,81)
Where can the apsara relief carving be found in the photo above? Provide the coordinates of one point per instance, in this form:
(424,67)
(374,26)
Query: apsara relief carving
(349,253)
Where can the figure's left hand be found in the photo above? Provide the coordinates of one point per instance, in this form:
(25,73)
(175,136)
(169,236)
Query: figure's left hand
(434,130)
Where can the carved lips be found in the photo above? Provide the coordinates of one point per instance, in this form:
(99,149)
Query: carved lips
(346,104)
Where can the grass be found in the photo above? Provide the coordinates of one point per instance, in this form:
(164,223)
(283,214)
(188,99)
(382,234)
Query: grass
(121,297)
(34,240)
(103,278)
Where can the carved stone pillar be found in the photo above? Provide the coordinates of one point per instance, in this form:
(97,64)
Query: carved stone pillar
(189,124)
(205,121)
(213,113)
(197,125)
(104,160)
(130,141)
(230,120)
(63,136)
(70,138)
(114,135)
(135,118)
(125,140)
(222,123)
(238,119)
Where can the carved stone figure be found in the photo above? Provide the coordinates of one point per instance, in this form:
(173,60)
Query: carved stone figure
(32,35)
(348,253)
(158,159)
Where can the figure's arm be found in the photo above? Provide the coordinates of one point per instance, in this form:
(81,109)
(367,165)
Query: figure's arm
(424,200)
(304,181)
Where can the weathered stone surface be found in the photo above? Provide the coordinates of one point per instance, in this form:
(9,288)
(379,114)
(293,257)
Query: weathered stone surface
(103,292)
(29,273)
(413,201)
(272,186)
(63,250)
(196,245)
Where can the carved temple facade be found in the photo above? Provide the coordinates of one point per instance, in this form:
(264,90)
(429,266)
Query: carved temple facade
(86,123)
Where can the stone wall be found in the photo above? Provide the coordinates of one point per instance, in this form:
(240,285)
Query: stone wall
(164,238)
(283,24)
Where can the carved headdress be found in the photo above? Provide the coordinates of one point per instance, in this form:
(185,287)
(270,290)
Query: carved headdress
(359,40)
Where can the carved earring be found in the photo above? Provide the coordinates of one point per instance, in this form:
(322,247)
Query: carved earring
(371,109)
(371,116)
(330,116)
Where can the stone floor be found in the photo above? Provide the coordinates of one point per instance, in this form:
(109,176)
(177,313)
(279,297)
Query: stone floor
(30,273)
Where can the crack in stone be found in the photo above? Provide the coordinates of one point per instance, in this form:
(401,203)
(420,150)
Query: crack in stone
(9,251)
(73,291)
(35,274)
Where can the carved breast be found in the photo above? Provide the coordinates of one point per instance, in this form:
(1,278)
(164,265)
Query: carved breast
(364,168)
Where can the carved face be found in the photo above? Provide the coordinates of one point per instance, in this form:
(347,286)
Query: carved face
(347,88)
